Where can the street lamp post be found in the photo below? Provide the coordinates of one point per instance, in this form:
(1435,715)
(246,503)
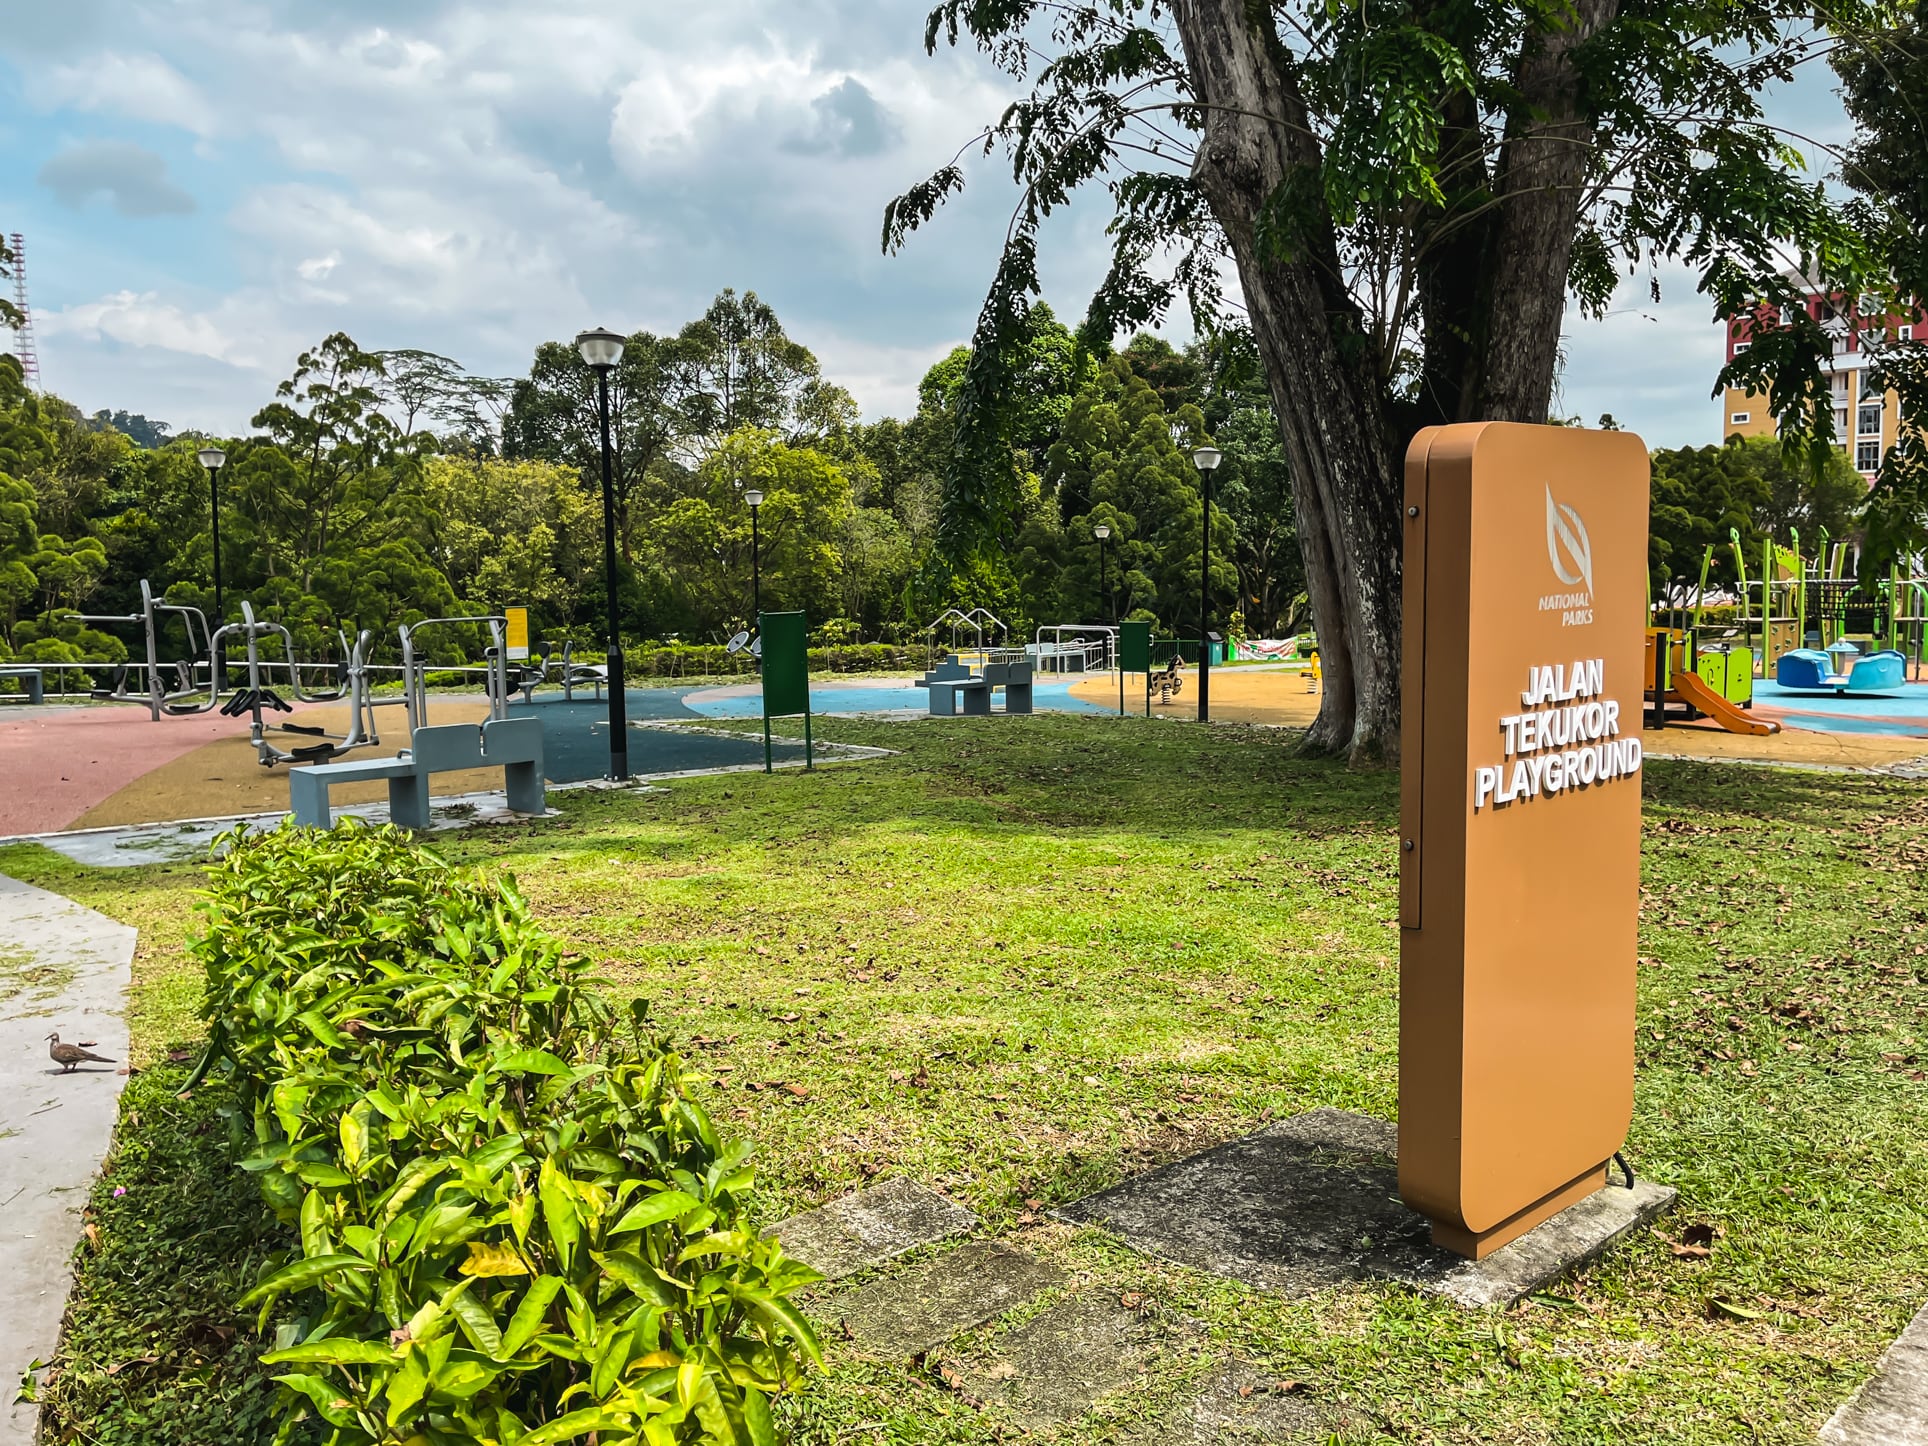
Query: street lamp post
(1103,533)
(601,350)
(214,459)
(755,499)
(1206,459)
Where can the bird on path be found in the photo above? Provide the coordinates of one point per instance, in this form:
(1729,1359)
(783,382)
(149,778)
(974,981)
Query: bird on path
(69,1055)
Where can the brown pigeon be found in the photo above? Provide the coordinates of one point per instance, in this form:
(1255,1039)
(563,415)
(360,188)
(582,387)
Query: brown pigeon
(69,1055)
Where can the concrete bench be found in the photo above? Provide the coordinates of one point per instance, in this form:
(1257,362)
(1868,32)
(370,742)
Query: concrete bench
(951,696)
(512,744)
(1015,680)
(32,680)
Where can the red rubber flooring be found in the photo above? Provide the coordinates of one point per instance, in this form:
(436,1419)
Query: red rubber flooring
(56,761)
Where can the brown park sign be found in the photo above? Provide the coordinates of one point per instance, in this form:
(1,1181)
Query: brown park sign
(1526,550)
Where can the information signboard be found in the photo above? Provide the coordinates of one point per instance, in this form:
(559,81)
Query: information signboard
(785,642)
(1134,656)
(1525,559)
(515,634)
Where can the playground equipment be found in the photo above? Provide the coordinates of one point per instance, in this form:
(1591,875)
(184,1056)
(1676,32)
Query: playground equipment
(1168,682)
(1075,648)
(977,620)
(954,688)
(153,612)
(1843,668)
(1810,603)
(1714,682)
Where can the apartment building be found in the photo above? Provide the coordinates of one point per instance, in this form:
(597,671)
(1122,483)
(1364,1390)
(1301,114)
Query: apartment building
(1865,421)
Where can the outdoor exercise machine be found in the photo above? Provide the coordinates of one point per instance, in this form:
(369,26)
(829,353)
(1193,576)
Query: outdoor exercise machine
(154,611)
(256,699)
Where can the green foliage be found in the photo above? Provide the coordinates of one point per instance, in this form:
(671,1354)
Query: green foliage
(1749,485)
(514,1224)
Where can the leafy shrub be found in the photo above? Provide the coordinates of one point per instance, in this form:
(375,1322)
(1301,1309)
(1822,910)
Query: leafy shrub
(514,1223)
(683,660)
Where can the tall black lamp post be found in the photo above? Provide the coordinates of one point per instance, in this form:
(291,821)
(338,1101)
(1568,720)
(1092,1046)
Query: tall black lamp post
(1206,459)
(1103,533)
(755,499)
(601,350)
(214,459)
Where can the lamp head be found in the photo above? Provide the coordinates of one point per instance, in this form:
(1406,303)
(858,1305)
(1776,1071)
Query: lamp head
(1101,532)
(754,498)
(212,458)
(601,348)
(1206,458)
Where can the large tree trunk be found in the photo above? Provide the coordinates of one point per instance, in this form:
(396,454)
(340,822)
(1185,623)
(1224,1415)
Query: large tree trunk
(1345,469)
(1542,167)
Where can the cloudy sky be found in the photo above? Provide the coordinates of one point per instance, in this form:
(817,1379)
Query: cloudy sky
(207,186)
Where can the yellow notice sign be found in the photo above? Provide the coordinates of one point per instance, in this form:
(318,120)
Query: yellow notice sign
(517,632)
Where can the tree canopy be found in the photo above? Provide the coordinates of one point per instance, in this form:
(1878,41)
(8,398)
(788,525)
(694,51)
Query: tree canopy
(1408,193)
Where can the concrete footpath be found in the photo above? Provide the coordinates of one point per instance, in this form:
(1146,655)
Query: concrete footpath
(1892,1408)
(63,969)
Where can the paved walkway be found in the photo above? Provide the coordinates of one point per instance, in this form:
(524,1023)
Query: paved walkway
(62,969)
(1892,1409)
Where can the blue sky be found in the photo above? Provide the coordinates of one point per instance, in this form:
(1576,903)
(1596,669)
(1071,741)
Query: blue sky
(208,186)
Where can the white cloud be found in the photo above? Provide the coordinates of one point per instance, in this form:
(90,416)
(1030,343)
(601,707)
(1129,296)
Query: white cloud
(141,87)
(145,320)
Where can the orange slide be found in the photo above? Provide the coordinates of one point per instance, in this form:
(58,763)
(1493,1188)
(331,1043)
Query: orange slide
(1734,720)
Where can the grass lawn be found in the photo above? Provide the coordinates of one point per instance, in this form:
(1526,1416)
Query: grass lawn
(1029,957)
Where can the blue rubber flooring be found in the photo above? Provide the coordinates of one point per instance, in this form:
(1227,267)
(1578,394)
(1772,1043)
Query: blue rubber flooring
(575,737)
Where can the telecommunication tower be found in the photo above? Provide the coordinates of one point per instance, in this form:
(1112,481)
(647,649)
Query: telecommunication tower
(23,346)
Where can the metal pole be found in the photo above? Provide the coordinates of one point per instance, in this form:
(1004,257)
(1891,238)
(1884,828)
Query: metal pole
(618,724)
(214,507)
(1205,603)
(756,569)
(217,656)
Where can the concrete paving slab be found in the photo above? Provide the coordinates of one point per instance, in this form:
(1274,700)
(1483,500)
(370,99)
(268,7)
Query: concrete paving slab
(1892,1408)
(63,969)
(1236,1403)
(1060,1364)
(1313,1201)
(1291,1209)
(872,1226)
(1538,1258)
(906,1315)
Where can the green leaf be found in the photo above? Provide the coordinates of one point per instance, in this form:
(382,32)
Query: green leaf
(757,1418)
(354,1135)
(576,1423)
(477,1322)
(407,1386)
(336,1409)
(531,1314)
(530,1061)
(782,1316)
(417,1173)
(302,1274)
(642,1278)
(314,1228)
(335,1351)
(559,1212)
(654,1210)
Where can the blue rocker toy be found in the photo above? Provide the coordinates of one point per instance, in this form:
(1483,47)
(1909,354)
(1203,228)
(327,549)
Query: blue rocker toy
(1809,670)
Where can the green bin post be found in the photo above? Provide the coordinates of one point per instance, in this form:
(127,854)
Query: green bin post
(786,677)
(1134,656)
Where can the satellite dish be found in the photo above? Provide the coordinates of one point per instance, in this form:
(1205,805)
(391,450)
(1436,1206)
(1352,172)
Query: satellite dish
(735,644)
(756,648)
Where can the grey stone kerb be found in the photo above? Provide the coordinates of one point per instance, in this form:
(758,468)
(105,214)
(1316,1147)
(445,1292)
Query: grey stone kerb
(63,969)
